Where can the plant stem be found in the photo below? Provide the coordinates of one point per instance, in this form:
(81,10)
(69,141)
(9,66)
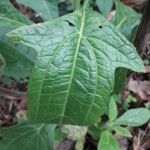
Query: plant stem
(86,4)
(76,4)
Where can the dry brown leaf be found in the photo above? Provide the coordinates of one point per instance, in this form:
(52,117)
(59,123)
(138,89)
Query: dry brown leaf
(142,88)
(132,3)
(147,68)
(123,142)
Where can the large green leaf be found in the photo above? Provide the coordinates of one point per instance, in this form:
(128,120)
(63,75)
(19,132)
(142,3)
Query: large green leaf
(27,136)
(47,9)
(74,73)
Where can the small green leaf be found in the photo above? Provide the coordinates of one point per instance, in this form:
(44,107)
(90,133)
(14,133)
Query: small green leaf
(105,6)
(122,131)
(134,117)
(47,9)
(28,137)
(112,110)
(108,142)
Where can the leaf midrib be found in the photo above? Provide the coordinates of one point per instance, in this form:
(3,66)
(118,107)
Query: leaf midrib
(74,62)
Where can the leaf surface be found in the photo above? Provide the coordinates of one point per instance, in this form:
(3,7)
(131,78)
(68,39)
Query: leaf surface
(74,73)
(47,9)
(26,136)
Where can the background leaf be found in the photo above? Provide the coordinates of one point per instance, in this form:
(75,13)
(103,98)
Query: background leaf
(10,18)
(105,6)
(134,117)
(126,20)
(28,137)
(20,64)
(74,71)
(108,142)
(47,9)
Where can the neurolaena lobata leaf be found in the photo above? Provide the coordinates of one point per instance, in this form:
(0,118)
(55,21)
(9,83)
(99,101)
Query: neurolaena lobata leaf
(28,136)
(74,73)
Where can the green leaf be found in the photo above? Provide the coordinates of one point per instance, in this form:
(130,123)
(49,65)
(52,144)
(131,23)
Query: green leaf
(73,76)
(47,9)
(122,131)
(10,17)
(112,110)
(126,19)
(28,137)
(108,142)
(105,6)
(18,65)
(94,131)
(134,117)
